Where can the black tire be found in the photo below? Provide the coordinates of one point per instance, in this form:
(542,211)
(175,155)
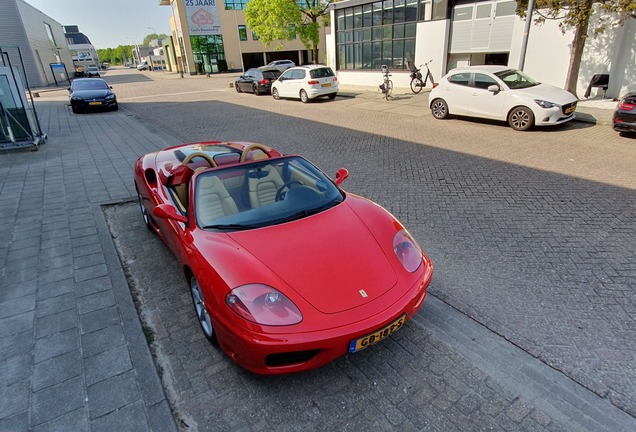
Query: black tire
(416,85)
(144,212)
(116,107)
(255,90)
(303,96)
(439,109)
(201,311)
(332,96)
(75,109)
(275,94)
(521,118)
(238,88)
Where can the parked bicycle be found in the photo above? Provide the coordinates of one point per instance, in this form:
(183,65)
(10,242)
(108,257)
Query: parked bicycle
(387,85)
(416,76)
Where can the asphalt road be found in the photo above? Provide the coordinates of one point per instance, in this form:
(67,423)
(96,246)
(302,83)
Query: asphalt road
(532,235)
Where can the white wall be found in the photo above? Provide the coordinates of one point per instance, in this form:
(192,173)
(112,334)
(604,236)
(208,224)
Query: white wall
(548,56)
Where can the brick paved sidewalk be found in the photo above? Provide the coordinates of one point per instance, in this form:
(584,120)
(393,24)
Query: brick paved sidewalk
(72,352)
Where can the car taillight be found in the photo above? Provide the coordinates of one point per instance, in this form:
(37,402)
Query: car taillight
(263,81)
(263,304)
(313,82)
(626,106)
(435,85)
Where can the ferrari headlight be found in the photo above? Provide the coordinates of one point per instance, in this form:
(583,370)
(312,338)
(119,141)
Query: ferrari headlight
(544,104)
(264,305)
(407,251)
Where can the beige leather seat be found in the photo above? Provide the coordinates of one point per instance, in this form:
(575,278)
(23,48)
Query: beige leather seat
(263,190)
(213,200)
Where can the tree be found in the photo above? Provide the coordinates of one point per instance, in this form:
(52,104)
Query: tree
(115,55)
(575,14)
(279,20)
(152,36)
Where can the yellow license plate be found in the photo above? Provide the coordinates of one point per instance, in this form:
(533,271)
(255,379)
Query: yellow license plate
(94,103)
(570,109)
(327,85)
(376,336)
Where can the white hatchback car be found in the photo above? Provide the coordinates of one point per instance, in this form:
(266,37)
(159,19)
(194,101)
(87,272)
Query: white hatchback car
(306,83)
(501,93)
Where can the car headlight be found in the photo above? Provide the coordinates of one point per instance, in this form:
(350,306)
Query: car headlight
(263,305)
(110,96)
(407,251)
(545,104)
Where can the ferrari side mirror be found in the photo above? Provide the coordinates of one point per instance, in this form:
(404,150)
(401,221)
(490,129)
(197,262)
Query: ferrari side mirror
(341,175)
(166,211)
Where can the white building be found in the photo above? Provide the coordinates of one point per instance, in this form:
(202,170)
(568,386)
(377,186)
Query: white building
(40,39)
(82,51)
(366,34)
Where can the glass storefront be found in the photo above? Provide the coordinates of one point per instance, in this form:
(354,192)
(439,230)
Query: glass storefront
(375,34)
(208,53)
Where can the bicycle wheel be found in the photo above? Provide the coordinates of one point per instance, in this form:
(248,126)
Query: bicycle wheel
(416,85)
(389,89)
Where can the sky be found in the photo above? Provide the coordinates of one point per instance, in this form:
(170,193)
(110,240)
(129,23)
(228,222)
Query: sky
(109,23)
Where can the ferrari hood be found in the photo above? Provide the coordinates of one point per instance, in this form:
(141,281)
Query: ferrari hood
(331,259)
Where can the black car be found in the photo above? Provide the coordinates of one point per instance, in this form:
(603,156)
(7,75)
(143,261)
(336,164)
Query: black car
(256,80)
(91,93)
(624,119)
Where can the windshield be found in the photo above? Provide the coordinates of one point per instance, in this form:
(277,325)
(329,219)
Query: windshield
(263,193)
(90,84)
(515,79)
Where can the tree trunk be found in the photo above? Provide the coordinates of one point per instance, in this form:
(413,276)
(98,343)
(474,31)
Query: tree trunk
(578,44)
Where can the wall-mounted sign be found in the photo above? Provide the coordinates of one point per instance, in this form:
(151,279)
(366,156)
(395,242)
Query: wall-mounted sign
(203,17)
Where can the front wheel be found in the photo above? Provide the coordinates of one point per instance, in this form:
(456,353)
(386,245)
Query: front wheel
(144,211)
(203,316)
(521,118)
(275,94)
(439,109)
(416,85)
(303,96)
(255,90)
(388,87)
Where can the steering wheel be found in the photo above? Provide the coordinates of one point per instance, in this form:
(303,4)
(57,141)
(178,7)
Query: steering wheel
(251,147)
(280,192)
(205,156)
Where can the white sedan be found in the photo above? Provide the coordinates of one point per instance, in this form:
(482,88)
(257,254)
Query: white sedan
(501,93)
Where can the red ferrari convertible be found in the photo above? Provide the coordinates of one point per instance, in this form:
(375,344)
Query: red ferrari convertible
(287,271)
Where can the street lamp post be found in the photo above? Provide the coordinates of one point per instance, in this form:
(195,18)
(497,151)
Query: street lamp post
(137,59)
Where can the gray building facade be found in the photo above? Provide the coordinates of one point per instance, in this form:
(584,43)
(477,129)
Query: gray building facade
(40,38)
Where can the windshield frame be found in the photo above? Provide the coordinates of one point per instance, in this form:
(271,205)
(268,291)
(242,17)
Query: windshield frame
(300,201)
(525,81)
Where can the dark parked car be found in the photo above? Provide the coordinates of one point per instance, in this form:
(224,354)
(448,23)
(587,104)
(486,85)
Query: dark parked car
(624,119)
(91,93)
(256,80)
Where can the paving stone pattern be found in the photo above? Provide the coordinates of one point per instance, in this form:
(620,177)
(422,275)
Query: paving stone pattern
(72,353)
(543,258)
(532,236)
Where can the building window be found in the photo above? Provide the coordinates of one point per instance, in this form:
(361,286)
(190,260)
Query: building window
(49,33)
(376,34)
(255,36)
(242,30)
(208,53)
(235,4)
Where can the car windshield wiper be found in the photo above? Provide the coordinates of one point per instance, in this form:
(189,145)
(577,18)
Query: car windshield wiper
(236,227)
(307,212)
